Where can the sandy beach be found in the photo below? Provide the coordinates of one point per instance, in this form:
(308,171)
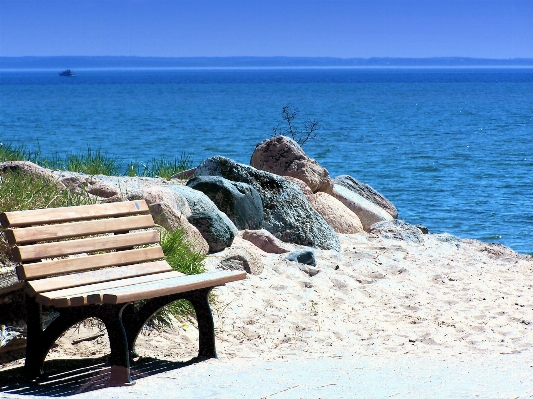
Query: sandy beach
(380,299)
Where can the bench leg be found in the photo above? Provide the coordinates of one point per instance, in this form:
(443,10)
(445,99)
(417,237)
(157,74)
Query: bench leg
(119,359)
(206,326)
(135,319)
(40,341)
(35,351)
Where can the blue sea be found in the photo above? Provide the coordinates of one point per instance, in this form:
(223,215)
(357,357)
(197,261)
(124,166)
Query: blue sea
(451,148)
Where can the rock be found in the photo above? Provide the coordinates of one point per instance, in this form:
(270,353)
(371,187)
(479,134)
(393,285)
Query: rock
(240,259)
(265,241)
(185,175)
(368,212)
(422,228)
(287,214)
(200,211)
(11,339)
(283,156)
(31,169)
(9,280)
(398,230)
(82,183)
(239,201)
(154,195)
(168,218)
(310,271)
(217,229)
(301,185)
(304,256)
(367,192)
(336,214)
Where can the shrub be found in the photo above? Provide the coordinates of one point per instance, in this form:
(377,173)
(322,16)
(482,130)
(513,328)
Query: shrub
(289,113)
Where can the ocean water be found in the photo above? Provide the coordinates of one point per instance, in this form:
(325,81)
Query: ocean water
(451,148)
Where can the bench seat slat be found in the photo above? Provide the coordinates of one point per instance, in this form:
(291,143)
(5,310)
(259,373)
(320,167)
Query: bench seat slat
(78,229)
(34,271)
(170,286)
(72,247)
(96,276)
(70,214)
(77,296)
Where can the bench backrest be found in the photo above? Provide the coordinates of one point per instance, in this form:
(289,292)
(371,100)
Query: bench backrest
(74,246)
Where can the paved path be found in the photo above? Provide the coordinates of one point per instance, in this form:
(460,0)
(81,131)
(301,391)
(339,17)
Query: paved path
(501,376)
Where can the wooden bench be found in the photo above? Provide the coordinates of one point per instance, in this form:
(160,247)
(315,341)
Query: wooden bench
(96,261)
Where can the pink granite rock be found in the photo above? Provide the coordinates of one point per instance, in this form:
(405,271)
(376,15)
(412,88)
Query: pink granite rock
(265,241)
(368,212)
(336,214)
(284,157)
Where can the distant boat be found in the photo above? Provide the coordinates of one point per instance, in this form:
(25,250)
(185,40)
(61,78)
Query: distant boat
(68,73)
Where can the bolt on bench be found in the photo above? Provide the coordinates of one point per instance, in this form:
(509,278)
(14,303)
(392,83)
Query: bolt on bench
(96,261)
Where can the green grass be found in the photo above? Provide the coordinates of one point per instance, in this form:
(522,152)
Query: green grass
(20,191)
(181,258)
(97,162)
(159,167)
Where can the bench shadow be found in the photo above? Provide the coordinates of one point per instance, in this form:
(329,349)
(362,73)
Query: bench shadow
(66,377)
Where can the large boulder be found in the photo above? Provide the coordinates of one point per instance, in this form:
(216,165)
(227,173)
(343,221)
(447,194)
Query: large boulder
(336,214)
(239,201)
(284,157)
(80,183)
(367,192)
(217,229)
(301,185)
(368,212)
(167,217)
(287,214)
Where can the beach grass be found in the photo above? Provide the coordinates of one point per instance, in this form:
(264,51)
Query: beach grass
(22,191)
(181,258)
(97,162)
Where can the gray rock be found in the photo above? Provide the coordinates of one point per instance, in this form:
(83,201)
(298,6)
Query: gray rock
(8,278)
(365,191)
(304,256)
(398,230)
(287,214)
(239,201)
(217,229)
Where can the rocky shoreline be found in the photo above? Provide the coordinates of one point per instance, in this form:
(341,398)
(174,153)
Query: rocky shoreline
(332,269)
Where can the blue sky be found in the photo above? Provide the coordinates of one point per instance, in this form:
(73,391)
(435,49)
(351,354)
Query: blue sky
(335,28)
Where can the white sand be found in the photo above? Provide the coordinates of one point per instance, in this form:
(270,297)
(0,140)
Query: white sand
(383,297)
(444,300)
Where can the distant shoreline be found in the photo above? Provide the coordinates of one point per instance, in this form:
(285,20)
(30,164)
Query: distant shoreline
(110,62)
